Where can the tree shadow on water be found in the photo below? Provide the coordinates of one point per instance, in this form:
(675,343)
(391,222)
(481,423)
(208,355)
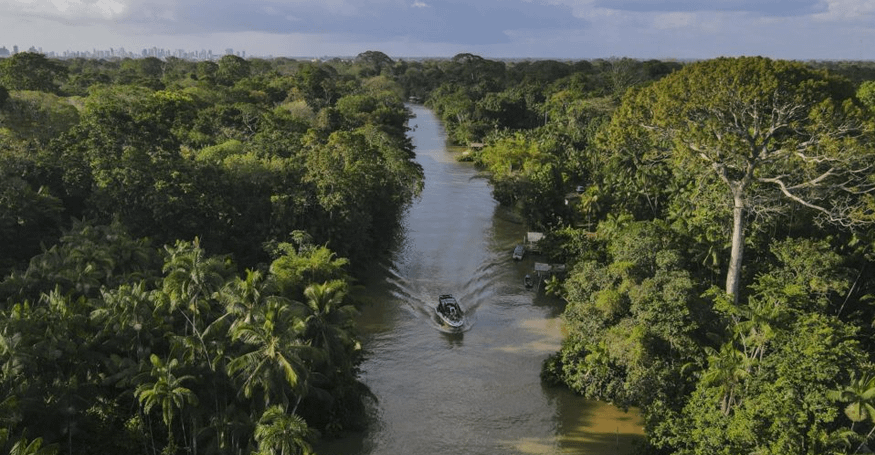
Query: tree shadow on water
(593,427)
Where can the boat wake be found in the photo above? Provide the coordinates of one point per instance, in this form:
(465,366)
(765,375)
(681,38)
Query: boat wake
(420,296)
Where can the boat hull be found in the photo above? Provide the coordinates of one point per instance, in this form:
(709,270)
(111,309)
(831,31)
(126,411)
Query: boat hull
(449,311)
(454,323)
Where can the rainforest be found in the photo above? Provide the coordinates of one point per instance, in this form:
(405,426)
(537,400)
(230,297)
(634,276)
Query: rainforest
(182,243)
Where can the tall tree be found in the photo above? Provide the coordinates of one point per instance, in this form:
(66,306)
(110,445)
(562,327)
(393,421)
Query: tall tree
(330,320)
(860,396)
(31,71)
(775,133)
(280,433)
(275,362)
(190,287)
(167,391)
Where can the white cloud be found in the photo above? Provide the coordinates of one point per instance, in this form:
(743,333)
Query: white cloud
(680,20)
(68,9)
(674,20)
(836,29)
(107,9)
(341,7)
(848,10)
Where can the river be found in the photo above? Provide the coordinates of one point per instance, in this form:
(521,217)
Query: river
(477,390)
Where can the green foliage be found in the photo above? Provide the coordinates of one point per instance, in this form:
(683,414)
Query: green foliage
(295,266)
(103,348)
(763,130)
(783,403)
(86,258)
(37,115)
(34,447)
(280,433)
(194,344)
(611,157)
(232,69)
(31,71)
(373,63)
(866,94)
(27,218)
(167,392)
(631,319)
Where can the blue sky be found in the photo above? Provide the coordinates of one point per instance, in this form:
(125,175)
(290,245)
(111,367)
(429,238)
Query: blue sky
(560,29)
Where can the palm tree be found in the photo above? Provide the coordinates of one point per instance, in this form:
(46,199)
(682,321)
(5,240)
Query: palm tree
(191,283)
(128,307)
(280,433)
(860,396)
(231,429)
(35,447)
(167,392)
(329,321)
(755,324)
(727,369)
(277,359)
(244,297)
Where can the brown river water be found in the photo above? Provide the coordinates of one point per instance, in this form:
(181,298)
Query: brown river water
(475,390)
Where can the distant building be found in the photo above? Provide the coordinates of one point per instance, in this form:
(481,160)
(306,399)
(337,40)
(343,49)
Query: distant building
(122,53)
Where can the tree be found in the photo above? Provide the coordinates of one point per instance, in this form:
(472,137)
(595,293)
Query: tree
(275,363)
(330,319)
(782,404)
(167,391)
(866,94)
(860,396)
(770,131)
(4,95)
(34,447)
(374,62)
(297,265)
(231,69)
(31,71)
(631,317)
(727,370)
(243,297)
(28,218)
(280,433)
(315,84)
(37,115)
(190,287)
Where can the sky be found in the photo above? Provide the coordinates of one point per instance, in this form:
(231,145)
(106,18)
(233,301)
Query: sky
(539,29)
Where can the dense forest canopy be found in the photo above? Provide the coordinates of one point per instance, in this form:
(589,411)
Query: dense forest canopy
(180,240)
(651,180)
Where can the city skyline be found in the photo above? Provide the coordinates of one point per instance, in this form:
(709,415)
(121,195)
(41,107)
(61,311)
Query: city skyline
(121,52)
(560,29)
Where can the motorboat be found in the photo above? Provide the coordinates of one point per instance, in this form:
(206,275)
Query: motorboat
(449,311)
(518,252)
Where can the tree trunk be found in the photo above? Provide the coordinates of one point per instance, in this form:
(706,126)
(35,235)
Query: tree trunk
(869,435)
(733,275)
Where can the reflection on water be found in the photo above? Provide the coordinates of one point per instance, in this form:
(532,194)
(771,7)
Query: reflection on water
(478,389)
